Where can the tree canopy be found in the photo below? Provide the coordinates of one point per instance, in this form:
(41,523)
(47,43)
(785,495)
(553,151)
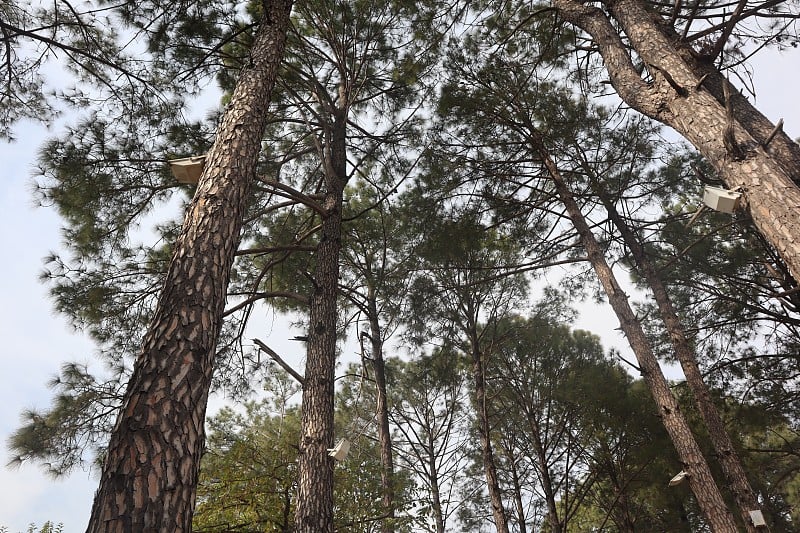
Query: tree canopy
(428,190)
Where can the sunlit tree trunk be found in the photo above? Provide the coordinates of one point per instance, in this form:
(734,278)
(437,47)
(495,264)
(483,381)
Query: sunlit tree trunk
(149,476)
(314,513)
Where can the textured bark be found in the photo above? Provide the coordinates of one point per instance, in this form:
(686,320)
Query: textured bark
(149,475)
(382,414)
(314,513)
(701,481)
(489,467)
(697,110)
(727,455)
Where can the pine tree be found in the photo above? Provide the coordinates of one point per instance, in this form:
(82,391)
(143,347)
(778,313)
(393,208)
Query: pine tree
(151,466)
(685,87)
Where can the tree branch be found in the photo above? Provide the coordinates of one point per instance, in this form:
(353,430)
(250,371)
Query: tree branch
(625,79)
(68,48)
(277,358)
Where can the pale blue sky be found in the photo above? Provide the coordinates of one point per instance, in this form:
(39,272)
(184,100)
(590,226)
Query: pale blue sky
(36,342)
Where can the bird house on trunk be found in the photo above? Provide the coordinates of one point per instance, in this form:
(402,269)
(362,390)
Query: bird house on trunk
(757,518)
(722,200)
(188,169)
(339,452)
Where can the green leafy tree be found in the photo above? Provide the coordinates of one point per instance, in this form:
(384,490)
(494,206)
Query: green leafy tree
(249,474)
(105,182)
(463,292)
(346,61)
(540,382)
(520,118)
(374,282)
(146,460)
(629,460)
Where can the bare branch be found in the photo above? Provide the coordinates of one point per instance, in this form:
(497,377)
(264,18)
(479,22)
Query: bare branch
(277,358)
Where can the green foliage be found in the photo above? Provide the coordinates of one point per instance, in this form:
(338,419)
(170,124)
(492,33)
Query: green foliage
(447,213)
(46,527)
(249,473)
(81,417)
(108,178)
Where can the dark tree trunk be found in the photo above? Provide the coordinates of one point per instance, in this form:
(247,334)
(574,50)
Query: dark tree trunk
(149,475)
(696,108)
(726,454)
(624,521)
(489,466)
(544,473)
(314,513)
(701,481)
(433,479)
(382,413)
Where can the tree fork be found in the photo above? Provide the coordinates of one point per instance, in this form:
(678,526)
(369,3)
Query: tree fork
(149,476)
(766,175)
(701,480)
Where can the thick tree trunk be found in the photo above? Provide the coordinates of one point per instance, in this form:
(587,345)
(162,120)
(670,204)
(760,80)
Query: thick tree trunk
(701,481)
(382,413)
(149,475)
(680,97)
(314,513)
(726,454)
(489,466)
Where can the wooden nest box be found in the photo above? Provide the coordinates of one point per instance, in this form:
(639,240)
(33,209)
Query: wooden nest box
(721,200)
(188,169)
(339,452)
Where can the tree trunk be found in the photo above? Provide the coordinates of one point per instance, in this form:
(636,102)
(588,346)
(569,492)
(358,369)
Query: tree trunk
(490,469)
(314,513)
(679,97)
(522,526)
(382,413)
(624,521)
(149,475)
(701,481)
(726,454)
(544,475)
(433,479)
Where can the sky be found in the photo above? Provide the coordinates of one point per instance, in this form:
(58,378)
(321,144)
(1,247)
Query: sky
(36,341)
